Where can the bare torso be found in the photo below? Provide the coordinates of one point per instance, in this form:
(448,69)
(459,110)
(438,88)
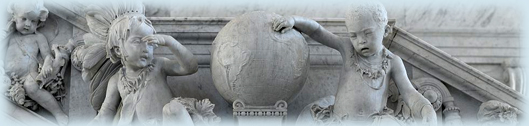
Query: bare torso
(152,97)
(21,55)
(356,100)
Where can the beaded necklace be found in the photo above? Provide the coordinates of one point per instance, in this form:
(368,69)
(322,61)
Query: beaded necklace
(371,76)
(133,84)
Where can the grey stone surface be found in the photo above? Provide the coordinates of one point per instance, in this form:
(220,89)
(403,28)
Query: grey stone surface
(368,68)
(495,112)
(80,110)
(198,40)
(28,50)
(451,70)
(466,104)
(458,28)
(467,30)
(15,114)
(253,63)
(138,93)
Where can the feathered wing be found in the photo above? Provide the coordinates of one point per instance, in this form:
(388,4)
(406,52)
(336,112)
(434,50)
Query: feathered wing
(98,85)
(93,58)
(98,20)
(97,69)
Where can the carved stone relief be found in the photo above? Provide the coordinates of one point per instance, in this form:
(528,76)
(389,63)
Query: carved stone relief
(257,66)
(117,59)
(36,71)
(495,112)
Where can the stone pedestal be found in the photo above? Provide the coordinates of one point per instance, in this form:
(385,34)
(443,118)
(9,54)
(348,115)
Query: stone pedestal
(246,115)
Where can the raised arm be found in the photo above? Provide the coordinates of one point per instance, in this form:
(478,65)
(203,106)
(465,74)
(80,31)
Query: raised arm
(185,62)
(309,27)
(419,106)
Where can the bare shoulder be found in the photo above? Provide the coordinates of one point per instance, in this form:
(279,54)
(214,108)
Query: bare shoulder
(159,62)
(395,61)
(40,36)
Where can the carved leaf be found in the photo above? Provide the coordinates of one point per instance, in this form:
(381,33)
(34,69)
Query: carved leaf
(98,21)
(205,108)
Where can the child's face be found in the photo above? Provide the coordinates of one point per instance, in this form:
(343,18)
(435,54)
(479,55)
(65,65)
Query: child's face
(139,53)
(26,23)
(366,35)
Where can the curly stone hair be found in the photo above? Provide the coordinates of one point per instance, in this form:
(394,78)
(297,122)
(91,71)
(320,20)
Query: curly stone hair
(375,10)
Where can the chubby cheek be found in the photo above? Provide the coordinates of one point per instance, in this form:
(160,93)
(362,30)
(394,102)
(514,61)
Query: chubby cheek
(355,42)
(20,27)
(33,26)
(356,45)
(151,53)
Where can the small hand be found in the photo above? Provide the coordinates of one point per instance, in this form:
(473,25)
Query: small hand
(428,116)
(46,72)
(154,39)
(283,24)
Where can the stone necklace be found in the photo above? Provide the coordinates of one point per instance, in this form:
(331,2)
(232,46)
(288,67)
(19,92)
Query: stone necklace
(133,84)
(372,75)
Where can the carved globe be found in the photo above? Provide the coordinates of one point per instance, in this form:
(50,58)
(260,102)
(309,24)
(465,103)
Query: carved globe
(253,63)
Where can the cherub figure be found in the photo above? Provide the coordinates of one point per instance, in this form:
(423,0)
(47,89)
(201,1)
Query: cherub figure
(141,84)
(25,50)
(367,67)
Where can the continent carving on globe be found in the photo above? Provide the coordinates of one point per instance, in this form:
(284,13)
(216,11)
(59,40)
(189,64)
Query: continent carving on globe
(257,65)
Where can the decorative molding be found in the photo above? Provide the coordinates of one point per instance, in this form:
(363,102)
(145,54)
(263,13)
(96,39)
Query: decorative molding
(204,29)
(466,32)
(449,69)
(74,17)
(16,113)
(240,109)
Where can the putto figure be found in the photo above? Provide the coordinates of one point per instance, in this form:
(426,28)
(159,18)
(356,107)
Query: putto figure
(140,85)
(367,69)
(26,50)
